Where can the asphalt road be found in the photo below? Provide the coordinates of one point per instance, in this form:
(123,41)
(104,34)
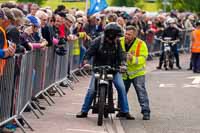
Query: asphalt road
(174,101)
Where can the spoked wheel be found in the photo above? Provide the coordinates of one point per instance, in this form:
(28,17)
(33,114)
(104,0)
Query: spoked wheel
(101,105)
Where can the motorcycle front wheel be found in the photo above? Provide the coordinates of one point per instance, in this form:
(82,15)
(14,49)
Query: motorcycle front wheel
(101,105)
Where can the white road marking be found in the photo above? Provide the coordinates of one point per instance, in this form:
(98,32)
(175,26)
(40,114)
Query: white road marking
(196,79)
(166,85)
(191,85)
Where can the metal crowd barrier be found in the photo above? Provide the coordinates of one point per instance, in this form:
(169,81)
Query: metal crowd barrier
(6,89)
(25,77)
(50,67)
(39,68)
(74,60)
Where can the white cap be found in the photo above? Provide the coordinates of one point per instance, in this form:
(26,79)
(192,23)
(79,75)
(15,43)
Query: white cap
(71,18)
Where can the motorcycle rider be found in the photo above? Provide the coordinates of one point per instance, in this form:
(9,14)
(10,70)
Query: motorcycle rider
(106,50)
(171,32)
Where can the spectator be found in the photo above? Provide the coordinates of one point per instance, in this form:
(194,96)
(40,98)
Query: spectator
(33,9)
(13,34)
(121,22)
(90,27)
(30,36)
(189,27)
(45,27)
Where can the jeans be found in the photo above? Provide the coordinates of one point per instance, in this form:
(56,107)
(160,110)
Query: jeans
(119,85)
(139,85)
(187,43)
(82,54)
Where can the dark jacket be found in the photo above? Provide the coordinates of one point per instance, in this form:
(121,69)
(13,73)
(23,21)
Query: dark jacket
(47,33)
(91,30)
(13,35)
(104,53)
(25,39)
(171,32)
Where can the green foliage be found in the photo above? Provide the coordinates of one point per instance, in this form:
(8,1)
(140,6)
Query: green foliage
(140,4)
(189,5)
(39,2)
(128,3)
(183,5)
(118,2)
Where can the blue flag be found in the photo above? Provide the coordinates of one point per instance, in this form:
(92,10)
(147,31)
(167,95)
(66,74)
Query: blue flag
(96,6)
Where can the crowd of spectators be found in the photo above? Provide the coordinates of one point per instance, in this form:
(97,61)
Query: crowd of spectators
(25,27)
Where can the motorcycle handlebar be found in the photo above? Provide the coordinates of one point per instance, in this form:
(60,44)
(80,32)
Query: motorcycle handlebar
(105,67)
(167,40)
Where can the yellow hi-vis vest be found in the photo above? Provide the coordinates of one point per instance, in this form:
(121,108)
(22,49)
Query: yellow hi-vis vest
(135,67)
(76,47)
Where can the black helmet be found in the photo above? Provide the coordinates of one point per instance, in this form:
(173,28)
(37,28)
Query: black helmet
(112,30)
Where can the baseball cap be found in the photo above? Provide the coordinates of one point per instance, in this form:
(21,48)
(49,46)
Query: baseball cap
(70,18)
(33,20)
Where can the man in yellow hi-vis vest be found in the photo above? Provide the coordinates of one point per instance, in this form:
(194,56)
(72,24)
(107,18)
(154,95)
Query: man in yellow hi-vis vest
(137,53)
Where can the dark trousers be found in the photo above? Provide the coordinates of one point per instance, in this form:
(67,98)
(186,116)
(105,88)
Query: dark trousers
(196,62)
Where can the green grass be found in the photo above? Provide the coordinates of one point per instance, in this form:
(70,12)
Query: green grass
(147,6)
(150,6)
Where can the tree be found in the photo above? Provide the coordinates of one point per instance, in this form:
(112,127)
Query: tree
(183,5)
(39,2)
(129,3)
(188,5)
(118,2)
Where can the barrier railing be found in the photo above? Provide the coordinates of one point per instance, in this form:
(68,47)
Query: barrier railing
(25,77)
(6,89)
(183,45)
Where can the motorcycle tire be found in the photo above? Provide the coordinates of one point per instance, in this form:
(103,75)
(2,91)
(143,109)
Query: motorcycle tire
(101,105)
